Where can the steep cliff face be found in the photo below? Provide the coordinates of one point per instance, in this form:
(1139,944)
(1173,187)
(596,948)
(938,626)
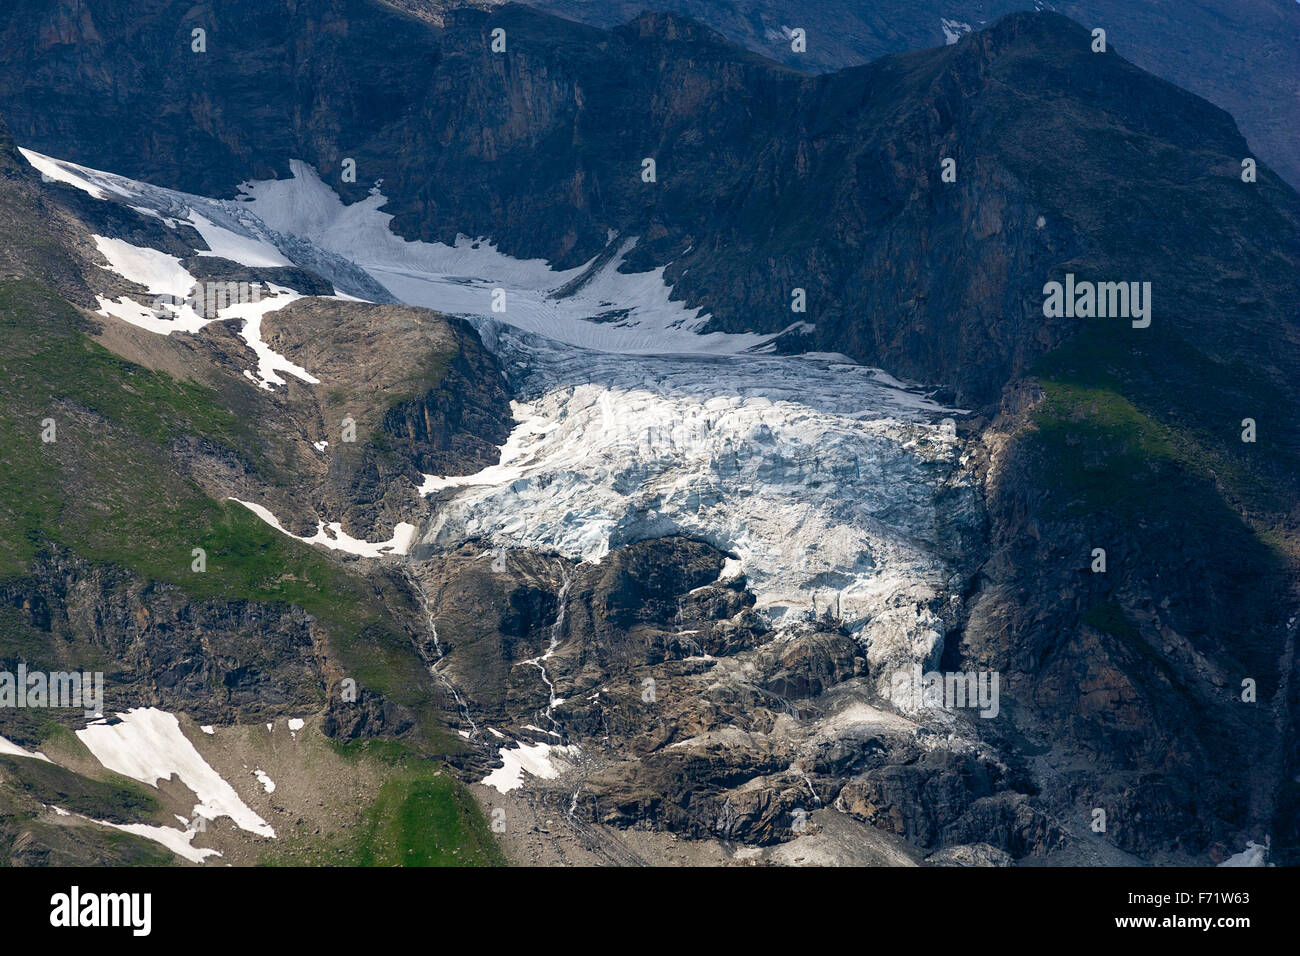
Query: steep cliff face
(1145,629)
(219,661)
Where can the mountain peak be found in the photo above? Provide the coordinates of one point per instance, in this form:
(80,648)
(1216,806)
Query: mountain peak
(669,25)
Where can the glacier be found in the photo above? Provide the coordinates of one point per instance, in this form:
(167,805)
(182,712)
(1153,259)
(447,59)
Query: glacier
(831,489)
(834,488)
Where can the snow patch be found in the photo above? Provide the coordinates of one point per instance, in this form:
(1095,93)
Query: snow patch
(163,275)
(179,842)
(269,362)
(13,750)
(544,761)
(953,30)
(1255,854)
(147,745)
(339,540)
(158,272)
(225,243)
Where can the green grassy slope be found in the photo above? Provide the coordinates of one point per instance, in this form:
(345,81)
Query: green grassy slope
(106,490)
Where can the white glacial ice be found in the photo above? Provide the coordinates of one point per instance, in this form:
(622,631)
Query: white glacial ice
(629,313)
(829,488)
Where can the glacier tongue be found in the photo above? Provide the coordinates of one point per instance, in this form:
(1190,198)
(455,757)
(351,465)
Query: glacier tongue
(834,489)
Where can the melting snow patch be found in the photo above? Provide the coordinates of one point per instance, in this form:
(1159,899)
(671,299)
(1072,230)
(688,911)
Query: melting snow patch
(13,750)
(338,539)
(147,745)
(545,761)
(246,250)
(267,783)
(208,729)
(953,30)
(268,362)
(178,841)
(296,723)
(158,272)
(162,275)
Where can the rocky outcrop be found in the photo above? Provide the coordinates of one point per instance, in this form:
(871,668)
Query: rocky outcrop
(442,409)
(219,661)
(692,714)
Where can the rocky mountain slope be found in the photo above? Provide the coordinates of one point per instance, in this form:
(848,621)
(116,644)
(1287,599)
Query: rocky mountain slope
(124,554)
(671,591)
(767,181)
(1250,68)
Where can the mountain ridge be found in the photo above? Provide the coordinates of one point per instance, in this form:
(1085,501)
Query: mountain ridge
(549,177)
